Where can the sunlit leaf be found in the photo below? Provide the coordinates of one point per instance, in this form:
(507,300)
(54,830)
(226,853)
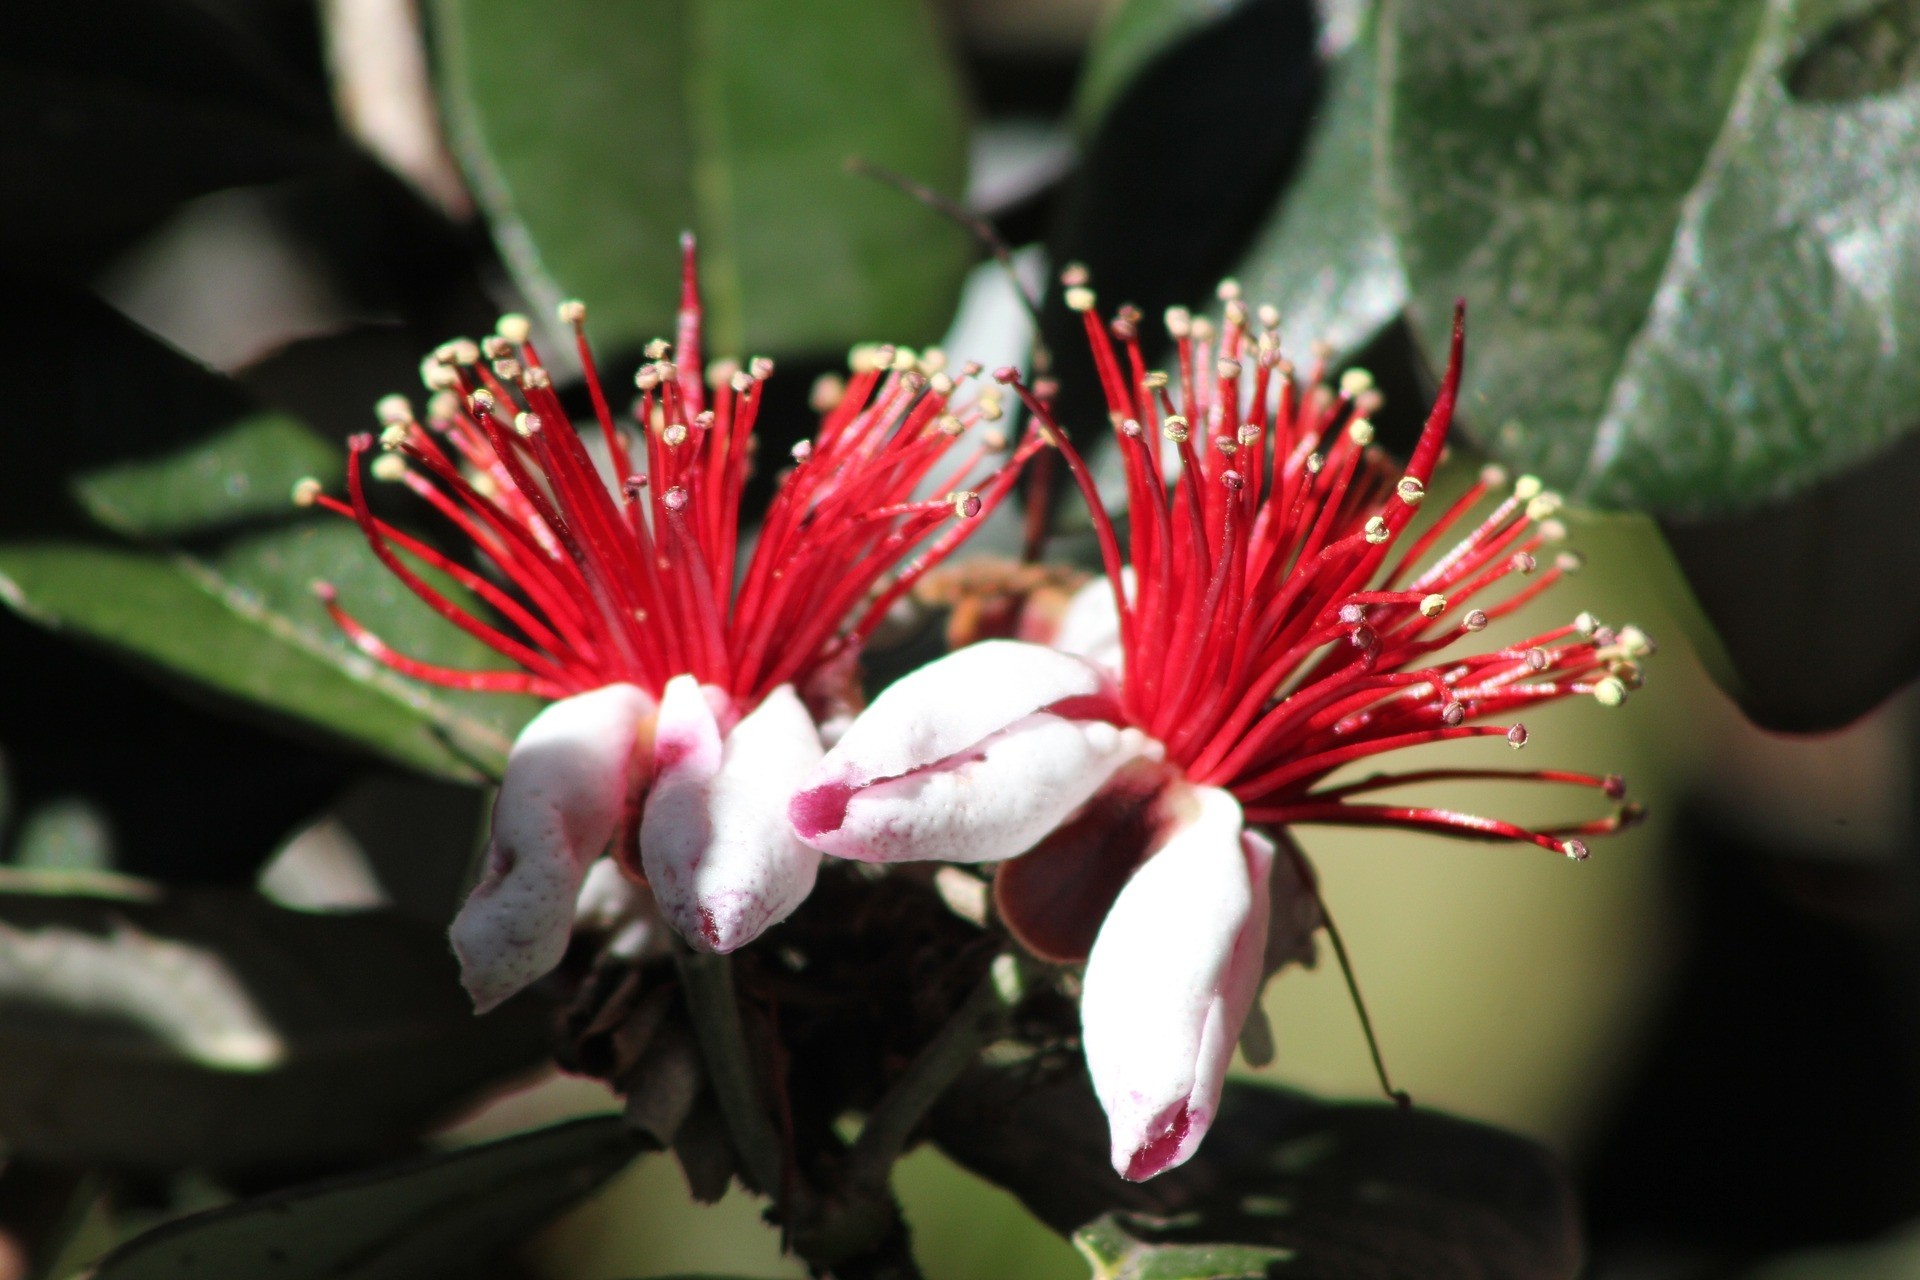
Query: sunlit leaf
(438,1217)
(597,131)
(211,1029)
(1325,257)
(132,436)
(1687,234)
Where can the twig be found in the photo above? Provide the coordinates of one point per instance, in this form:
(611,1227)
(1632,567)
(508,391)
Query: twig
(708,983)
(891,1122)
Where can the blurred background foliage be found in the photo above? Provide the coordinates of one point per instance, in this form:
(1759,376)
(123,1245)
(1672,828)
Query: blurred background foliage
(1689,241)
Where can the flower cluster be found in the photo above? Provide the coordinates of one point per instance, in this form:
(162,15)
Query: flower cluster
(1269,617)
(1267,621)
(686,697)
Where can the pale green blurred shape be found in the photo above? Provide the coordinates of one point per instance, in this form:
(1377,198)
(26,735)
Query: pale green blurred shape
(1507,983)
(1895,1258)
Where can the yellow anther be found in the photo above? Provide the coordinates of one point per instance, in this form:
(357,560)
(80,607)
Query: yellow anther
(741,383)
(1074,275)
(1269,316)
(949,425)
(514,327)
(1202,329)
(393,410)
(481,401)
(1228,290)
(466,352)
(826,393)
(966,504)
(1635,642)
(393,436)
(526,423)
(990,406)
(1227,368)
(1411,491)
(388,466)
(1527,488)
(942,385)
(1553,531)
(1586,624)
(932,360)
(1079,298)
(306,490)
(675,435)
(1361,432)
(1355,381)
(1248,434)
(1155,381)
(1544,506)
(1377,531)
(1175,429)
(436,375)
(1433,606)
(572,312)
(1179,321)
(1610,692)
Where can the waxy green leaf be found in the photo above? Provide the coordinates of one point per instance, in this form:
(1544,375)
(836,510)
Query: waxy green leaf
(597,131)
(137,438)
(156,1031)
(1324,257)
(442,1216)
(1687,234)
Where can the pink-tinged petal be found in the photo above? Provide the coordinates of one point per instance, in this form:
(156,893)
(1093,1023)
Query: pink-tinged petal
(1172,975)
(951,705)
(996,799)
(570,777)
(714,838)
(1090,627)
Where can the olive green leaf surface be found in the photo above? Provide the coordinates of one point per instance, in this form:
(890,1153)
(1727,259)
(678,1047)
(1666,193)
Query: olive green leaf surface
(148,509)
(1687,233)
(442,1216)
(597,131)
(155,1031)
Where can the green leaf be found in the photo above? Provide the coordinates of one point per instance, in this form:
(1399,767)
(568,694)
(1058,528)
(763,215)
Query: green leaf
(1283,1185)
(133,436)
(441,1216)
(596,131)
(240,472)
(1135,34)
(1324,256)
(1689,289)
(1116,1254)
(212,1029)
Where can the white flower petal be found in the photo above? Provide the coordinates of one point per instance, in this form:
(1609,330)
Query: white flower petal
(1173,972)
(997,799)
(951,704)
(714,838)
(1090,628)
(569,778)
